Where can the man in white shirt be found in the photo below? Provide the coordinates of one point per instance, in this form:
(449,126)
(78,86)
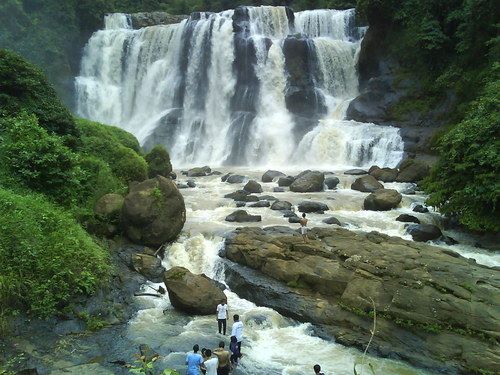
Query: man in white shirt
(222,316)
(210,364)
(237,330)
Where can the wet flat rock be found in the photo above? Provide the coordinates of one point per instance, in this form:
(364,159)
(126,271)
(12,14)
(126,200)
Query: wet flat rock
(433,303)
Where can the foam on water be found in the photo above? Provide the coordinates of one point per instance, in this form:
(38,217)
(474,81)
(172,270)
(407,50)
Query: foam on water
(273,344)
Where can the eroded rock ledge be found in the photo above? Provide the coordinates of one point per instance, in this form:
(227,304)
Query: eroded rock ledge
(435,308)
(145,19)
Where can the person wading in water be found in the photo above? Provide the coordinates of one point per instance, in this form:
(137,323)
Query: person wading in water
(303,227)
(224,358)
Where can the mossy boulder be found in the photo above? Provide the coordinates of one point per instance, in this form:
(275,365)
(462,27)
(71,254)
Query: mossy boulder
(153,212)
(158,161)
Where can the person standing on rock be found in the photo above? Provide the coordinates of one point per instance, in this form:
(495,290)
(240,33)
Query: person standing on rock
(194,361)
(222,317)
(237,330)
(224,357)
(303,226)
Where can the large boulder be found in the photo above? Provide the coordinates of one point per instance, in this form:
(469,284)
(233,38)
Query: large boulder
(190,293)
(412,170)
(235,179)
(367,184)
(153,212)
(384,174)
(309,182)
(270,175)
(424,232)
(310,206)
(241,216)
(253,187)
(332,182)
(281,206)
(382,200)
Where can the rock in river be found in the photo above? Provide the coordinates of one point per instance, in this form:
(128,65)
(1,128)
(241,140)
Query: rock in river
(281,206)
(270,175)
(253,187)
(331,182)
(193,294)
(310,206)
(405,218)
(382,200)
(424,232)
(241,216)
(308,182)
(366,184)
(235,179)
(412,170)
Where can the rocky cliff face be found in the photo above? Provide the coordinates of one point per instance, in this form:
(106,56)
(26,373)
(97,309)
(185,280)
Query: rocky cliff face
(145,19)
(389,96)
(434,308)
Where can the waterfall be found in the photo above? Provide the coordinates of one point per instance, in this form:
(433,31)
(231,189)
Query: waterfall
(253,86)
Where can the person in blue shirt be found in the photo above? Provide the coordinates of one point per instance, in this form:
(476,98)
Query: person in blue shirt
(194,361)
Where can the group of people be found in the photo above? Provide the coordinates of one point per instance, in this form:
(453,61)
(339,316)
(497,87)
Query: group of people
(221,361)
(218,361)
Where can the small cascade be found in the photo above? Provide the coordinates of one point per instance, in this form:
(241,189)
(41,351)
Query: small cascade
(116,21)
(246,87)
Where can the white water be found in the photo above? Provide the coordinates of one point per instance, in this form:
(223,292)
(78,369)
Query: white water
(141,79)
(273,344)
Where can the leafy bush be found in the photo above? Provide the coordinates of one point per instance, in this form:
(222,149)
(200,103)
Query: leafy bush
(46,257)
(465,181)
(23,87)
(38,160)
(158,161)
(119,149)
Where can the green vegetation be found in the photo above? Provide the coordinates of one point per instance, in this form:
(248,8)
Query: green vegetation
(37,160)
(114,146)
(452,49)
(92,322)
(465,181)
(24,87)
(158,161)
(46,256)
(53,169)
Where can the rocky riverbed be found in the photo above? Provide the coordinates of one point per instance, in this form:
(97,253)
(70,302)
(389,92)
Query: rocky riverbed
(434,308)
(324,310)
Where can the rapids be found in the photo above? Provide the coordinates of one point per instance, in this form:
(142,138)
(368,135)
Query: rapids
(273,344)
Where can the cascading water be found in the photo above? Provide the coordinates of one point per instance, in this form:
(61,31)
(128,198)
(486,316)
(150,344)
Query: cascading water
(243,87)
